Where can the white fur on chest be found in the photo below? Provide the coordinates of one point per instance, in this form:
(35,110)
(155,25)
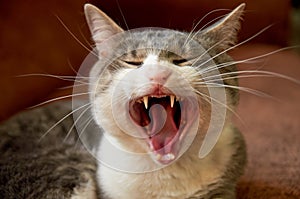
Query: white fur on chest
(179,180)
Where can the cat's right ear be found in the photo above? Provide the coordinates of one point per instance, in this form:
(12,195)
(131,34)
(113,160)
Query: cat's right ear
(101,26)
(223,33)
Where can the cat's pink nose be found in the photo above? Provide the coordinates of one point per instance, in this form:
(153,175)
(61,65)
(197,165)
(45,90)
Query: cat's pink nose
(159,76)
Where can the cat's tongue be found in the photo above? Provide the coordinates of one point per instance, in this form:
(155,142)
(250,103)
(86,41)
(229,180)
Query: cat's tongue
(164,134)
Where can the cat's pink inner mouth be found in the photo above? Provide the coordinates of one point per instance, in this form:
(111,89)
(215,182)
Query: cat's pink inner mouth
(162,127)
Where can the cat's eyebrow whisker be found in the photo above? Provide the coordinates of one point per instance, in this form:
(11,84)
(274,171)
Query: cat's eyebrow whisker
(207,24)
(211,22)
(62,119)
(123,16)
(84,38)
(76,121)
(70,32)
(58,98)
(232,47)
(192,31)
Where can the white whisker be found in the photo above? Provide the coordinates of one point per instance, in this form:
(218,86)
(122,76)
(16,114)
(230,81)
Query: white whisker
(88,121)
(122,14)
(74,86)
(70,32)
(58,98)
(192,31)
(75,122)
(217,101)
(201,29)
(62,119)
(245,89)
(263,72)
(205,53)
(237,77)
(64,78)
(223,65)
(232,47)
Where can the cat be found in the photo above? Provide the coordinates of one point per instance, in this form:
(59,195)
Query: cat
(152,100)
(144,77)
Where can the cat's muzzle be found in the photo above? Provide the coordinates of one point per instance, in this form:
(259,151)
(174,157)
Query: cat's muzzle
(164,119)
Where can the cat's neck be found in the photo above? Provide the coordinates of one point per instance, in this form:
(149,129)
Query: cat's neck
(189,172)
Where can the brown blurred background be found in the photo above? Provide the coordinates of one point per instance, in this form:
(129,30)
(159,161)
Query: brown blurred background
(32,40)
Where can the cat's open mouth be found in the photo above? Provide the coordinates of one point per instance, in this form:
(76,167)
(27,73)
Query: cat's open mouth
(163,120)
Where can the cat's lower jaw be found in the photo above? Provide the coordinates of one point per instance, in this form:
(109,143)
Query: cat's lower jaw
(188,177)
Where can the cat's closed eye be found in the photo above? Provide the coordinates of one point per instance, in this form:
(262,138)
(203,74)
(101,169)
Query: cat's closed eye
(132,64)
(180,62)
(135,63)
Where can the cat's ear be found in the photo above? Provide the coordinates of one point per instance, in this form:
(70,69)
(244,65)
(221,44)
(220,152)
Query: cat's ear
(223,33)
(101,26)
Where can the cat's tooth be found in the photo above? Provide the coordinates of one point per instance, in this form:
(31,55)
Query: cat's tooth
(145,98)
(151,147)
(172,98)
(168,157)
(158,156)
(177,99)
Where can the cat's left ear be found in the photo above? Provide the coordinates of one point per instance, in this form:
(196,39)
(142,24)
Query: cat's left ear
(223,33)
(101,26)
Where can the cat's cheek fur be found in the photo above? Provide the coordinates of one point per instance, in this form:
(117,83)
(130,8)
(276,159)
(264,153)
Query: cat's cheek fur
(102,111)
(102,101)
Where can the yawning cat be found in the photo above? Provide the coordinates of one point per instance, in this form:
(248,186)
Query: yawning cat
(162,100)
(156,85)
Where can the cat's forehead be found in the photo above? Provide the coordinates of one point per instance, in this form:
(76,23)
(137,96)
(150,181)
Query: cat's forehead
(160,42)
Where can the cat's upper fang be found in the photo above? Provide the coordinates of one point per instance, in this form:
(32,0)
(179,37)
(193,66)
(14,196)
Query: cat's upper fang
(172,98)
(145,99)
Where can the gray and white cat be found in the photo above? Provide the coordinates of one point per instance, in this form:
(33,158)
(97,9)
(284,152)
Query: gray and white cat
(151,75)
